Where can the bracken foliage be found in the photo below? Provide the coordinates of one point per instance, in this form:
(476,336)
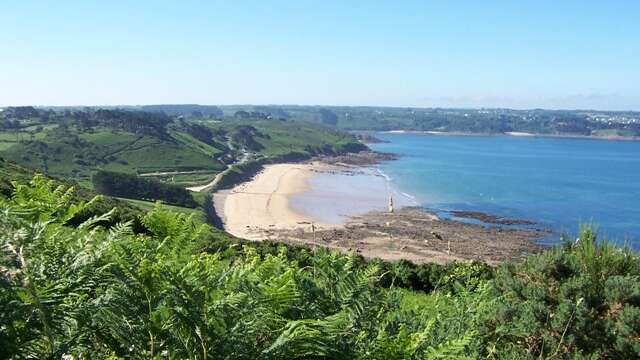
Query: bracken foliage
(181,290)
(579,300)
(90,292)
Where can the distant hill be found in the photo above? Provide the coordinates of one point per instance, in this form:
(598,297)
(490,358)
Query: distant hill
(486,121)
(595,123)
(185,109)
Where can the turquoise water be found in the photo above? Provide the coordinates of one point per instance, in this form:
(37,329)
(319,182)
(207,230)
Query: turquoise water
(557,182)
(333,197)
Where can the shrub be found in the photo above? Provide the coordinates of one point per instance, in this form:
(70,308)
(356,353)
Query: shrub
(89,292)
(581,298)
(134,187)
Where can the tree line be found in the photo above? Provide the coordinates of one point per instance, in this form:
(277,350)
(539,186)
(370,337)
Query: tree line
(135,187)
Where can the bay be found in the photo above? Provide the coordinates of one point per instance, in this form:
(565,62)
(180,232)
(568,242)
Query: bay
(558,182)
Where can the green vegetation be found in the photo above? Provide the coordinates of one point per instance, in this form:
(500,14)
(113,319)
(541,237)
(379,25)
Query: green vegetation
(186,109)
(582,298)
(12,173)
(178,145)
(146,206)
(75,153)
(177,288)
(187,147)
(493,121)
(101,277)
(134,187)
(276,138)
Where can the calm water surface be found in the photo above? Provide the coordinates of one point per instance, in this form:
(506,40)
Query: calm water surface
(557,182)
(333,197)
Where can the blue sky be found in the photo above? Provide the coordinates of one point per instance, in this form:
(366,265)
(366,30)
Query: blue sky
(520,54)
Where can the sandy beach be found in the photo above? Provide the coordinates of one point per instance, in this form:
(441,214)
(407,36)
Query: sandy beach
(262,204)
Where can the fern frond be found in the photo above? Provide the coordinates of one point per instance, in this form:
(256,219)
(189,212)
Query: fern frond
(452,349)
(120,230)
(96,219)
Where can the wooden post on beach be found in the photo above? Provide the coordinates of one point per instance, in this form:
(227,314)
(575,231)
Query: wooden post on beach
(448,247)
(313,249)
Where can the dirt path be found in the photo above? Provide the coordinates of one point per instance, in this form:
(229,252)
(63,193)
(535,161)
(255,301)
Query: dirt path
(246,155)
(164,173)
(211,183)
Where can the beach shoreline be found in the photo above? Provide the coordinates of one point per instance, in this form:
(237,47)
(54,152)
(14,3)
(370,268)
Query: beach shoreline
(267,207)
(262,203)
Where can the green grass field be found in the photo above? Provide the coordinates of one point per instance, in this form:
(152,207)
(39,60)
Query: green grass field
(284,137)
(77,154)
(74,151)
(193,143)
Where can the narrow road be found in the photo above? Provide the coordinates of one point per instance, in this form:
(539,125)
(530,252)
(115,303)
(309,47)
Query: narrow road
(211,183)
(164,173)
(245,156)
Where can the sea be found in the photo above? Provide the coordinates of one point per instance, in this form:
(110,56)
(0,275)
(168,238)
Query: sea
(335,196)
(560,183)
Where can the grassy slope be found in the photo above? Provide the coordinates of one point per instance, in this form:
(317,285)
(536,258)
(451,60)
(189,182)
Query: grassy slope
(60,154)
(10,171)
(285,137)
(75,154)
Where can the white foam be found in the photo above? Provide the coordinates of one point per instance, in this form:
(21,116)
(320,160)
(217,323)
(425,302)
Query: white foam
(390,186)
(409,196)
(385,176)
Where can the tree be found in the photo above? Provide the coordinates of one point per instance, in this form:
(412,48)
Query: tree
(134,187)
(328,117)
